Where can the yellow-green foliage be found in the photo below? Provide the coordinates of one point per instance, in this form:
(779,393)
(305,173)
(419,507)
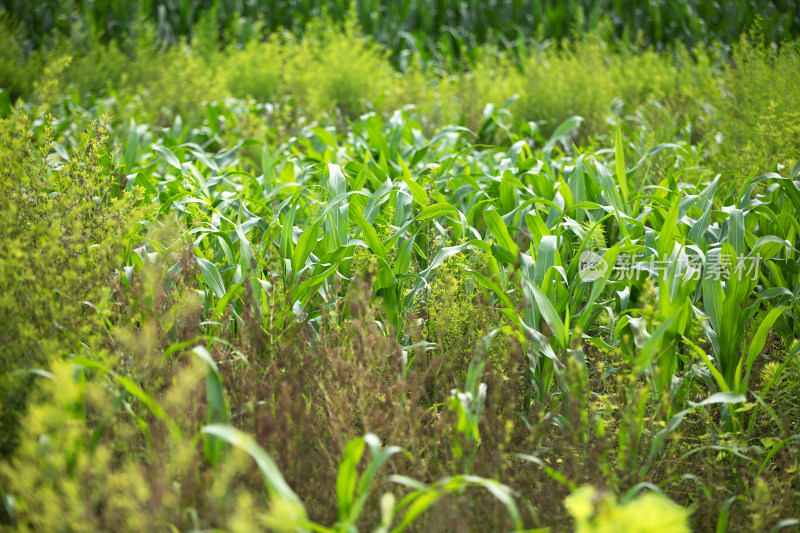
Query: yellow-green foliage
(335,67)
(600,513)
(759,107)
(457,320)
(582,78)
(83,465)
(60,223)
(58,475)
(254,70)
(450,308)
(182,84)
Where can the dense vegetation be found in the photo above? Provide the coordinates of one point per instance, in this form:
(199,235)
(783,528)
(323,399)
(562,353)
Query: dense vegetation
(344,277)
(440,28)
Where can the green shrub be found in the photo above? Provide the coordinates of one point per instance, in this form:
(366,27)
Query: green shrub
(586,79)
(61,226)
(598,513)
(335,67)
(254,70)
(758,107)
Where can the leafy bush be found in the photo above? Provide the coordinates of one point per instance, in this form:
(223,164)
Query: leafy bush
(63,219)
(651,512)
(757,109)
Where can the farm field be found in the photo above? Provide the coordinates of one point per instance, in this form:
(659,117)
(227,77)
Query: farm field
(399,266)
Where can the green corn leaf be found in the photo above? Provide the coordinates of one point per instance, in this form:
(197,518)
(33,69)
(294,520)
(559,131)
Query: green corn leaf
(736,230)
(231,295)
(132,148)
(369,234)
(436,210)
(610,190)
(404,256)
(757,344)
(305,245)
(321,273)
(152,405)
(353,502)
(536,226)
(619,160)
(654,344)
(548,312)
(274,479)
(247,259)
(348,476)
(563,131)
(417,192)
(500,231)
(492,286)
(713,300)
(700,227)
(212,277)
(666,237)
(287,232)
(546,258)
(267,167)
(168,156)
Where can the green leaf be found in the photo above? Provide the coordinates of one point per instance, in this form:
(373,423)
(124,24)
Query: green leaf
(666,237)
(152,405)
(653,344)
(325,136)
(404,253)
(492,286)
(337,184)
(736,230)
(436,210)
(718,377)
(212,277)
(500,231)
(417,192)
(132,148)
(352,502)
(550,315)
(757,344)
(169,157)
(724,397)
(610,190)
(267,167)
(305,245)
(369,234)
(619,159)
(536,226)
(287,232)
(563,131)
(700,227)
(232,294)
(247,259)
(348,476)
(713,299)
(546,258)
(274,479)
